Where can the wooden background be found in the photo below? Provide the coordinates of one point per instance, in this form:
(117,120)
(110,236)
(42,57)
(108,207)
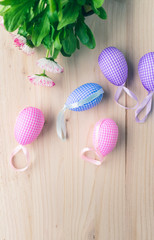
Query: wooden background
(61,197)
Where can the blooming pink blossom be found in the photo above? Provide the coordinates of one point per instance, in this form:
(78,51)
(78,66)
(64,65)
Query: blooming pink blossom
(41,80)
(20,42)
(49,65)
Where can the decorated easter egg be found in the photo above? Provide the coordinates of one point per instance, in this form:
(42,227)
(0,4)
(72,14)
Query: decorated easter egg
(113,65)
(105,136)
(29,124)
(81,99)
(146,71)
(83,92)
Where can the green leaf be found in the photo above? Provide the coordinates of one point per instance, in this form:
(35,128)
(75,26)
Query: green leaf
(41,29)
(100,12)
(91,43)
(70,14)
(98,3)
(56,52)
(70,42)
(81,2)
(52,4)
(22,32)
(15,16)
(81,32)
(65,54)
(3,9)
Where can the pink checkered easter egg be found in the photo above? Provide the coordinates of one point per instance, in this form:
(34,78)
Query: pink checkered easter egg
(105,136)
(28,126)
(114,67)
(146,73)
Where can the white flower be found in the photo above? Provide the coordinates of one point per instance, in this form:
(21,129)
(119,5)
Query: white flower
(50,65)
(20,42)
(28,50)
(41,80)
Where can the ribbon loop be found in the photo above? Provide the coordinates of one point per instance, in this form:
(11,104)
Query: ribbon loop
(91,160)
(147,102)
(61,127)
(16,150)
(129,93)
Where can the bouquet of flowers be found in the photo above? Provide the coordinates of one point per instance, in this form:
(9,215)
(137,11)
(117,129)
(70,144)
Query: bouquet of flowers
(59,25)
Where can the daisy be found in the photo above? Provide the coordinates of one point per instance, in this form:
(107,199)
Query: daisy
(50,65)
(20,42)
(41,80)
(28,50)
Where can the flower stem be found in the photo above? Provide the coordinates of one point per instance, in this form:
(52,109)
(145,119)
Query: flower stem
(47,53)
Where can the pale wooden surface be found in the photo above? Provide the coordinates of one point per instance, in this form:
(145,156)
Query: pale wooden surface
(61,197)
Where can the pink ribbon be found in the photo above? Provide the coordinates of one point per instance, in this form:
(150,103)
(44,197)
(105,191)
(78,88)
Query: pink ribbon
(16,150)
(96,162)
(129,93)
(147,102)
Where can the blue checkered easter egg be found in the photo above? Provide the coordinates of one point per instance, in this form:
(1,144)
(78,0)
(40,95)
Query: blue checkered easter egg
(113,65)
(146,71)
(83,92)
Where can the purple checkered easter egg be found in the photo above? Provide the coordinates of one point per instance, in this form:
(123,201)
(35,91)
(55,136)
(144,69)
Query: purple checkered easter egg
(113,65)
(146,71)
(29,124)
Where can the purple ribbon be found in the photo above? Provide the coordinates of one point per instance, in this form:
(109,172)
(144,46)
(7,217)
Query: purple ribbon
(147,102)
(129,93)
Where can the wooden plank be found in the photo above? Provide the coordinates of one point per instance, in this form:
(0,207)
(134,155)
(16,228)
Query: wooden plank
(61,197)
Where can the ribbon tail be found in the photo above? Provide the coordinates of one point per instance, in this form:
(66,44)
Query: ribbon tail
(16,150)
(147,102)
(93,161)
(129,93)
(61,127)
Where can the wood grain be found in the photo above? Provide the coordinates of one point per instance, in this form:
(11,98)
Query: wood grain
(61,197)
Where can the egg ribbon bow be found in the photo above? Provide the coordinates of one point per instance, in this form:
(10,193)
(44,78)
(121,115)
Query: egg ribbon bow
(96,151)
(16,150)
(147,102)
(129,93)
(61,127)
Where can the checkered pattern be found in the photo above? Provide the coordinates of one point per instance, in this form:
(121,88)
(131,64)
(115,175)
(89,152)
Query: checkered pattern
(29,124)
(113,65)
(105,136)
(146,71)
(83,92)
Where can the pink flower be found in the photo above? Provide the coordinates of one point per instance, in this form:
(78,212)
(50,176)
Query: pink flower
(41,80)
(49,65)
(28,50)
(20,42)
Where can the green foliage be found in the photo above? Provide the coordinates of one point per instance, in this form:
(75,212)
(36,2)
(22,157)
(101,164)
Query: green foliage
(57,24)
